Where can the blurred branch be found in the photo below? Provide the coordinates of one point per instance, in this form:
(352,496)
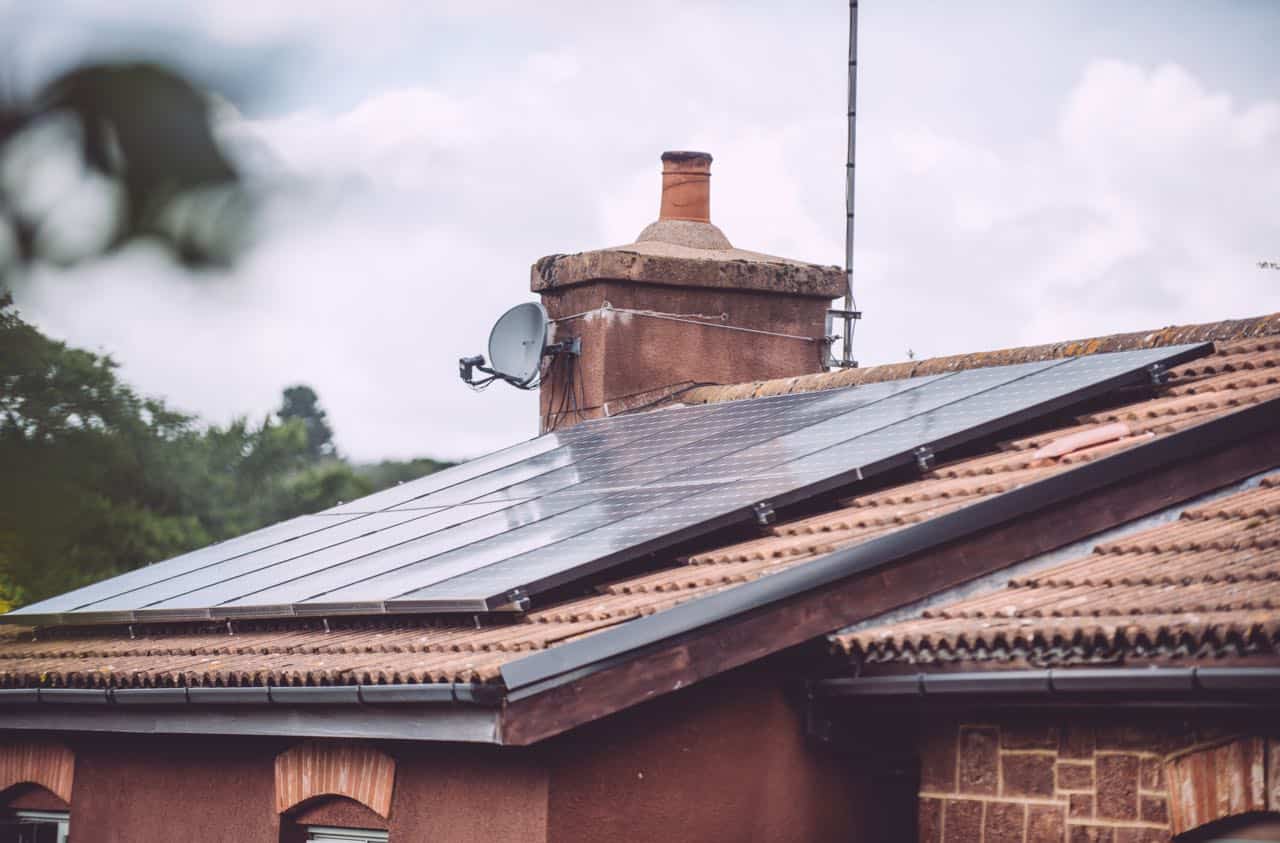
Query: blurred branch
(110,153)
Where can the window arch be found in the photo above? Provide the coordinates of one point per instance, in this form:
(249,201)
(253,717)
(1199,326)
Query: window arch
(1235,777)
(338,768)
(46,763)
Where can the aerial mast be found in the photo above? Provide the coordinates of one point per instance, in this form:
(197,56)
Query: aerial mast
(850,313)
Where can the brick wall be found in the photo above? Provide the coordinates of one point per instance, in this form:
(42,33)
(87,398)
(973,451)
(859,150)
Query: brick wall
(1039,781)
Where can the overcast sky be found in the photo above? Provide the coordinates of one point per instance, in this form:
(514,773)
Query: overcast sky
(1027,172)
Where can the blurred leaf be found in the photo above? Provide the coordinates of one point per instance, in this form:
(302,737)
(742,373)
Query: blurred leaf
(149,132)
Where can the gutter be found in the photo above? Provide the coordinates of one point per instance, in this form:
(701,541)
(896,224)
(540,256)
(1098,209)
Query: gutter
(437,711)
(461,693)
(1194,685)
(573,660)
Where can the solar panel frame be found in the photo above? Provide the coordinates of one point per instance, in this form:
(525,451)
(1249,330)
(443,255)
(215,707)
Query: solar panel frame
(522,482)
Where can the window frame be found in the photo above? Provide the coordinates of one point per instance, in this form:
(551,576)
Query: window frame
(60,818)
(334,834)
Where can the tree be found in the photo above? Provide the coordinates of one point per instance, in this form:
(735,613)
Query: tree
(98,480)
(302,403)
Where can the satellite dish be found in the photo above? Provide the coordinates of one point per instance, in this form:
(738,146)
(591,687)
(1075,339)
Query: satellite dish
(516,343)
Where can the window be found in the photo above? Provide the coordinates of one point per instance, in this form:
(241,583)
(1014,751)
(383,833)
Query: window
(324,834)
(36,827)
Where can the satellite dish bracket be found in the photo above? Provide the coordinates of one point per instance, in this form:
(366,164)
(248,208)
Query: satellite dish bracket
(573,346)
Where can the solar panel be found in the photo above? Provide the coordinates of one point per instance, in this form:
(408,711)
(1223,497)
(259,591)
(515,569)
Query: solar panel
(548,511)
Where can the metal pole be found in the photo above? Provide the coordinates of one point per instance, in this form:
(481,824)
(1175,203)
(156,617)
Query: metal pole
(849,304)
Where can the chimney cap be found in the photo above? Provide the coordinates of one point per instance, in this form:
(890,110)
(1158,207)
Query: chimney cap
(681,156)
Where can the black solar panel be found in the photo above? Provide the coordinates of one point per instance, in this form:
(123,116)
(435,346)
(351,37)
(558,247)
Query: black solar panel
(562,506)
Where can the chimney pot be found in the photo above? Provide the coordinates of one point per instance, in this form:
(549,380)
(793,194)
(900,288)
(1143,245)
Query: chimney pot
(686,186)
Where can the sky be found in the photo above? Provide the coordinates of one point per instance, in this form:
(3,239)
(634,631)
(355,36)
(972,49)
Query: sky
(1027,173)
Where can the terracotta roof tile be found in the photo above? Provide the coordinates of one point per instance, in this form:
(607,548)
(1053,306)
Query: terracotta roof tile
(1205,582)
(1243,335)
(1203,586)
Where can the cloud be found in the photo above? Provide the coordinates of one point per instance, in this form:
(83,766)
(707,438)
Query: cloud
(1144,205)
(1134,195)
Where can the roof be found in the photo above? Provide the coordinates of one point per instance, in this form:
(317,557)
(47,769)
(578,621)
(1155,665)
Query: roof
(446,649)
(1238,378)
(1231,330)
(1203,588)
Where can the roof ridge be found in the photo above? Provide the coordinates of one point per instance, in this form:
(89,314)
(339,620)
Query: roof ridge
(1226,330)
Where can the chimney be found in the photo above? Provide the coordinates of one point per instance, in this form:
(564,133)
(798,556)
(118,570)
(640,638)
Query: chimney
(680,306)
(686,186)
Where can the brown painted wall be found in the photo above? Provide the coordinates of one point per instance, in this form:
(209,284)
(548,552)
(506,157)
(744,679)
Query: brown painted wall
(31,797)
(336,811)
(147,789)
(468,793)
(722,761)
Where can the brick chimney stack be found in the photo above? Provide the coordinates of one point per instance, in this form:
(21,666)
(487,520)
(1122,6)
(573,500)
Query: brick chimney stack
(678,307)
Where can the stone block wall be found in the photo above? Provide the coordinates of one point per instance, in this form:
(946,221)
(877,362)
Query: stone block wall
(1046,781)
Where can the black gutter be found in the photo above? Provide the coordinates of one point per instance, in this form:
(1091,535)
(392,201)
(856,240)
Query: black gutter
(1192,684)
(459,693)
(570,661)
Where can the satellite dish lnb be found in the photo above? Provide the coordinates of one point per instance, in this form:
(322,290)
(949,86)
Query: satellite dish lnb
(517,344)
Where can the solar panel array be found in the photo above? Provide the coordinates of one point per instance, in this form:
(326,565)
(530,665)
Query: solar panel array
(543,513)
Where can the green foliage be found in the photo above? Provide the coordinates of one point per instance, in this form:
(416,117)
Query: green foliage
(380,475)
(302,403)
(98,480)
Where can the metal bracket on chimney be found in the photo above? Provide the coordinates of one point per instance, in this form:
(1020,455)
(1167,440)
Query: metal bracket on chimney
(848,317)
(924,458)
(764,514)
(572,346)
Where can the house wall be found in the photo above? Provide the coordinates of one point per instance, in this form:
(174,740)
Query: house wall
(723,760)
(155,789)
(1049,778)
(31,797)
(151,789)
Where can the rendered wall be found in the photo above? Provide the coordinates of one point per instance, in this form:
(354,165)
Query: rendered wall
(151,789)
(722,761)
